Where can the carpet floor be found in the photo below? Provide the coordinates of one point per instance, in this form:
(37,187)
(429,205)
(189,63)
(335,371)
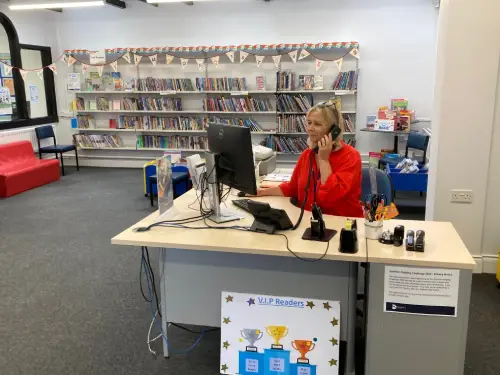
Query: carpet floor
(70,301)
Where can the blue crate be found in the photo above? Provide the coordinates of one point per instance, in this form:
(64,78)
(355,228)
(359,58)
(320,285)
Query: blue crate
(408,181)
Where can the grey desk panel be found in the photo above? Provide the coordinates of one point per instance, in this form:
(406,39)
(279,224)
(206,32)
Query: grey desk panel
(414,344)
(194,280)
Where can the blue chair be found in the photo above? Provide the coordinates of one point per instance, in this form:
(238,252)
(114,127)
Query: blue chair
(416,141)
(44,132)
(384,183)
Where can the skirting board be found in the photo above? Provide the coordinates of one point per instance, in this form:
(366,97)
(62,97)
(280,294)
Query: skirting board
(486,263)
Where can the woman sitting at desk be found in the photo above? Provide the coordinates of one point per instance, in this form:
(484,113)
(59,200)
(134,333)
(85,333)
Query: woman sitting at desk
(336,167)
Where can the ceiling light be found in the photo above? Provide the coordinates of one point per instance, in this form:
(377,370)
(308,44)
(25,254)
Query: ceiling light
(77,4)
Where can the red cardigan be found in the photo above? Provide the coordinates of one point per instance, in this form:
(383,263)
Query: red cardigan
(340,194)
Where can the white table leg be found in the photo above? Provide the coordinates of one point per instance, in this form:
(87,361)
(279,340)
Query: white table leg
(163,302)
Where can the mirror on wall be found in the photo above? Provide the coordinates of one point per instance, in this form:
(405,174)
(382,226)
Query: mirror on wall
(8,108)
(34,87)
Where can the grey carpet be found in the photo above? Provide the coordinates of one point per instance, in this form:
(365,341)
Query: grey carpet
(70,301)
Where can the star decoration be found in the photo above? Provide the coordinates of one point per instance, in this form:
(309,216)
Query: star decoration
(226,344)
(224,367)
(226,320)
(327,306)
(333,362)
(251,301)
(229,299)
(310,304)
(334,341)
(335,322)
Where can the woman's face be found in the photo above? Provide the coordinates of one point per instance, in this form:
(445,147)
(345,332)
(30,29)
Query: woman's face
(316,127)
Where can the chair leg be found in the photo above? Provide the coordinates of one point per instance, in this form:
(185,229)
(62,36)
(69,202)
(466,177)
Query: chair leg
(151,192)
(40,154)
(77,165)
(62,164)
(57,156)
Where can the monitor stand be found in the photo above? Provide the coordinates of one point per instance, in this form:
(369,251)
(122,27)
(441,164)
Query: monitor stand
(220,215)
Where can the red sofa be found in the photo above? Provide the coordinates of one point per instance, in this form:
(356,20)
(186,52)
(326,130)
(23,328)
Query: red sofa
(20,170)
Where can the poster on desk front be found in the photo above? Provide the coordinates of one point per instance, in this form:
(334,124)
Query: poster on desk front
(274,335)
(165,184)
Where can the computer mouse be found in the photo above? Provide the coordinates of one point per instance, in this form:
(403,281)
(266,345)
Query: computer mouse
(241,194)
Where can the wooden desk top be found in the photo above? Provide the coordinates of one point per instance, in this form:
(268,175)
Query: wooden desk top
(235,241)
(443,247)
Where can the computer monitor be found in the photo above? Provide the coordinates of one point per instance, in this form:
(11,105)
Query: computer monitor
(230,156)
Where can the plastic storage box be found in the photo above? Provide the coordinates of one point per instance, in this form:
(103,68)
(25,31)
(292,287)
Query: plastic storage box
(408,181)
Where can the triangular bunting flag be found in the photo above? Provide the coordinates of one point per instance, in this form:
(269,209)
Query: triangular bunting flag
(200,63)
(319,64)
(85,68)
(355,53)
(184,62)
(303,54)
(65,57)
(169,59)
(40,73)
(71,60)
(114,65)
(243,56)
(7,69)
(293,55)
(215,60)
(100,69)
(24,73)
(53,68)
(277,60)
(137,59)
(259,60)
(154,59)
(126,57)
(230,54)
(339,63)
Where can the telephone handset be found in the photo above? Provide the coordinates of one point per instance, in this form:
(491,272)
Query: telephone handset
(335,133)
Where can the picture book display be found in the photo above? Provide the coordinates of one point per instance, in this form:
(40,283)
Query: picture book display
(273,335)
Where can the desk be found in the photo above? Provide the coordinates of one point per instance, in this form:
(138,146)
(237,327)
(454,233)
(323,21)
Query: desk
(199,264)
(417,344)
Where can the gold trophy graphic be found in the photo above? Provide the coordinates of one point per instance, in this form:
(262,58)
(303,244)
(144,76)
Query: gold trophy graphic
(277,333)
(303,347)
(251,335)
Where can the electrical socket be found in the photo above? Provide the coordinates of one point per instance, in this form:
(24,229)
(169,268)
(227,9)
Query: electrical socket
(461,196)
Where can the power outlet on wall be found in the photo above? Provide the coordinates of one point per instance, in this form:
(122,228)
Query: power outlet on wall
(461,196)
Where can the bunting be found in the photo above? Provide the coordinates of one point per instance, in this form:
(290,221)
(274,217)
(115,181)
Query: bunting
(137,59)
(114,66)
(39,72)
(293,55)
(277,60)
(243,56)
(53,68)
(154,59)
(85,68)
(319,64)
(169,59)
(24,73)
(339,63)
(71,60)
(100,69)
(7,69)
(303,54)
(230,54)
(126,57)
(215,60)
(259,60)
(200,63)
(184,62)
(355,52)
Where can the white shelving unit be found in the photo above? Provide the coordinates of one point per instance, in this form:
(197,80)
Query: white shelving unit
(192,100)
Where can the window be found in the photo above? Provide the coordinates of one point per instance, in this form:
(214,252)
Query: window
(24,102)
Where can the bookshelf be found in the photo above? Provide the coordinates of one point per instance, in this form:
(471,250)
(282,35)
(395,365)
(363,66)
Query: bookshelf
(152,121)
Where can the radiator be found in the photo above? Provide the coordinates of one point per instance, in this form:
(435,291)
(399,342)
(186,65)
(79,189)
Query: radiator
(21,134)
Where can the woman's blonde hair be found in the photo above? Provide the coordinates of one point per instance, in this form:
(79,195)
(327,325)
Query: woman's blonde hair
(329,114)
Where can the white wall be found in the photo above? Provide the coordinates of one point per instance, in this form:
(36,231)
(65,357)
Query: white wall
(397,38)
(464,125)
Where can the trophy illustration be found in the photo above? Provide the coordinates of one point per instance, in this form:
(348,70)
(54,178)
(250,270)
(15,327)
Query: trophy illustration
(277,333)
(303,347)
(251,335)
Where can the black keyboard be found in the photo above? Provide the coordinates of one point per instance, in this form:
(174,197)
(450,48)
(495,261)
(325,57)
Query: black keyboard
(242,203)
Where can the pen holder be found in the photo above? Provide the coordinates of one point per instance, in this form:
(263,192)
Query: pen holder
(373,229)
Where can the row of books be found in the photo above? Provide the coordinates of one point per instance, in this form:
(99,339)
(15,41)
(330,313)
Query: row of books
(84,121)
(346,81)
(292,145)
(151,104)
(161,123)
(164,84)
(174,141)
(98,140)
(285,80)
(248,122)
(292,124)
(348,123)
(247,104)
(292,103)
(108,81)
(221,84)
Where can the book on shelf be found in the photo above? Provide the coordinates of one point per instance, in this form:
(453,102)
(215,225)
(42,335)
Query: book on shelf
(248,122)
(79,104)
(102,104)
(161,123)
(261,83)
(346,81)
(337,101)
(285,80)
(318,82)
(85,121)
(92,105)
(292,124)
(117,105)
(221,84)
(98,140)
(306,82)
(348,123)
(112,123)
(291,145)
(293,103)
(247,104)
(172,141)
(164,84)
(117,81)
(107,81)
(96,81)
(129,104)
